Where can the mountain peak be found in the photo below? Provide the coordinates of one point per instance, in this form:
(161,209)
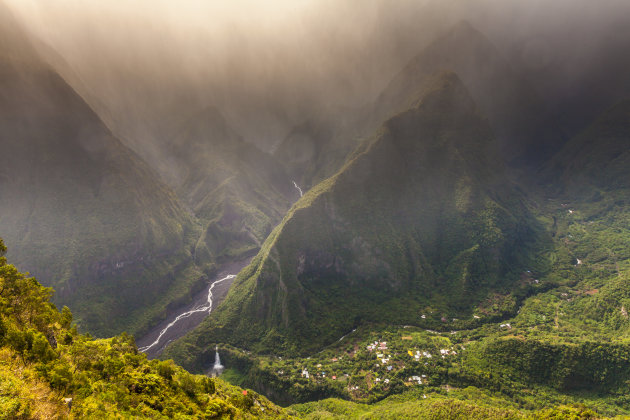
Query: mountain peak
(419,210)
(518,116)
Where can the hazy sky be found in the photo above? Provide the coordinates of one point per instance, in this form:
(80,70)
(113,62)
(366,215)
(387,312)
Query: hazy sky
(275,62)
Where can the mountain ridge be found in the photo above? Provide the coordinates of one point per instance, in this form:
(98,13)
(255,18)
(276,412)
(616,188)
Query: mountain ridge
(328,255)
(84,212)
(526,132)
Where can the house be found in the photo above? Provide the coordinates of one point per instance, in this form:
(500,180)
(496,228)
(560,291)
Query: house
(416,379)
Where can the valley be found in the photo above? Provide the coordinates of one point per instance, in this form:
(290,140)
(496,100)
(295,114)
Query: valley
(421,211)
(186,318)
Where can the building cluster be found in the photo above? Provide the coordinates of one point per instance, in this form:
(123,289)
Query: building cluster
(377,345)
(419,380)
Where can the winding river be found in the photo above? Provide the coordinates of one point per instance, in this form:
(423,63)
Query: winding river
(188,317)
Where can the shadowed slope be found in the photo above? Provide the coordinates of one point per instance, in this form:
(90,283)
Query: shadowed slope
(238,192)
(422,215)
(82,211)
(525,133)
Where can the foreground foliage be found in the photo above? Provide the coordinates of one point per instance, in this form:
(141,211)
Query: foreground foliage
(43,360)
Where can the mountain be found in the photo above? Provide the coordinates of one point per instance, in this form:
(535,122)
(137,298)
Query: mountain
(525,131)
(83,212)
(598,157)
(238,192)
(421,220)
(316,148)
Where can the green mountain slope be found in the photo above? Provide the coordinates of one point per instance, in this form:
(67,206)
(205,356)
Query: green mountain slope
(420,221)
(238,192)
(44,363)
(84,213)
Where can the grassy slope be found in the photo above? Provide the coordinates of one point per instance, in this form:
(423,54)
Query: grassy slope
(470,404)
(44,360)
(417,218)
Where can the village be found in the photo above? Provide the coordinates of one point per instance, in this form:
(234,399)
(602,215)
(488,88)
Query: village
(371,363)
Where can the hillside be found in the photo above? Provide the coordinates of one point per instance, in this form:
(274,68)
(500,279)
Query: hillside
(598,157)
(562,354)
(238,192)
(82,211)
(318,147)
(418,222)
(48,370)
(304,151)
(525,132)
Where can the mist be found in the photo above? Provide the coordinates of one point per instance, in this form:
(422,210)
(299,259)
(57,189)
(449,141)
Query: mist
(148,66)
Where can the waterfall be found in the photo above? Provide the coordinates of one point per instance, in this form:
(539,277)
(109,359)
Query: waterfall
(298,188)
(217,368)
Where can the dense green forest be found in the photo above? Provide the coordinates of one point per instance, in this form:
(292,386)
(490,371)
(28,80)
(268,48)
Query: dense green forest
(48,370)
